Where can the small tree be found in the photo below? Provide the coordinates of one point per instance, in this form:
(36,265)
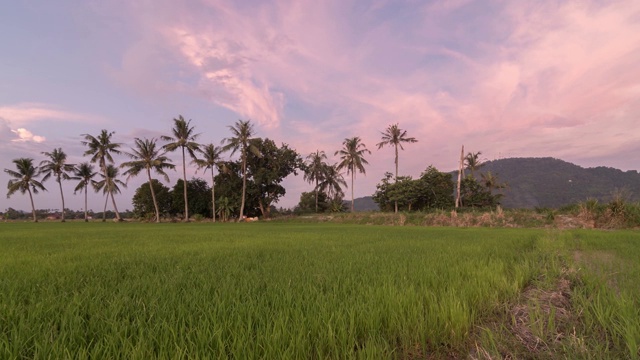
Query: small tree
(143,205)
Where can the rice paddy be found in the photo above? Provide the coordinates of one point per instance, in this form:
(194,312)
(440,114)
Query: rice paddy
(311,291)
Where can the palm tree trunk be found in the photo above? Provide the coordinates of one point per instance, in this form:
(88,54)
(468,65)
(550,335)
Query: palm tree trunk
(213,195)
(115,207)
(316,195)
(86,212)
(184,177)
(244,183)
(62,196)
(33,207)
(353,174)
(396,181)
(104,212)
(153,196)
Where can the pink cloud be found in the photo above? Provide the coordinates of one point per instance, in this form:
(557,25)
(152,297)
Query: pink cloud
(25,135)
(24,113)
(523,79)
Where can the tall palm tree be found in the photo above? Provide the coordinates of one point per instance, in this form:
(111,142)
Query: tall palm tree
(101,149)
(109,186)
(56,166)
(146,157)
(473,162)
(244,142)
(211,159)
(314,168)
(84,172)
(395,136)
(352,159)
(183,138)
(24,180)
(332,182)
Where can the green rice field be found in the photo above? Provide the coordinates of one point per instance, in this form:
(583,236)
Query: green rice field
(280,290)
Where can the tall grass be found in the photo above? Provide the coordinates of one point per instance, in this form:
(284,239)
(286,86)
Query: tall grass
(253,290)
(608,295)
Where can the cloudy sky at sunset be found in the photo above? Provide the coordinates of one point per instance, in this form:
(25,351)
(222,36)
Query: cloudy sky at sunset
(508,78)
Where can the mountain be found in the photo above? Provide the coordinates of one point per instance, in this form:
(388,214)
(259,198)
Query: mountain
(363,204)
(549,182)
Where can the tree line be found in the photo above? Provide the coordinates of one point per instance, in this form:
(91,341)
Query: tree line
(248,186)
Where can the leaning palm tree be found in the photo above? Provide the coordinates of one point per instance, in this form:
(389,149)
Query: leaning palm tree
(146,157)
(101,149)
(183,138)
(84,172)
(244,142)
(352,159)
(109,186)
(395,136)
(211,159)
(24,181)
(473,162)
(56,166)
(313,171)
(332,182)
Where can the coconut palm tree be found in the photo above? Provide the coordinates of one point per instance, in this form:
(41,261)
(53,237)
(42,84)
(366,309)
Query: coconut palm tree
(473,162)
(314,169)
(352,159)
(24,180)
(109,186)
(332,182)
(56,166)
(147,157)
(395,136)
(101,149)
(183,138)
(84,172)
(211,159)
(244,142)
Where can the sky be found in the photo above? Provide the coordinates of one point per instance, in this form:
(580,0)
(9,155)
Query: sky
(507,78)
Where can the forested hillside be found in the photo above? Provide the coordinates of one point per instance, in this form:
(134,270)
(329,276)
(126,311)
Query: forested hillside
(549,182)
